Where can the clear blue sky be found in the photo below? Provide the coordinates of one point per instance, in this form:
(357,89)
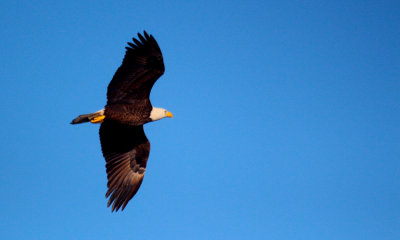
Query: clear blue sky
(286,120)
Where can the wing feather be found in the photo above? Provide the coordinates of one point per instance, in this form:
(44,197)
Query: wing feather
(142,65)
(126,150)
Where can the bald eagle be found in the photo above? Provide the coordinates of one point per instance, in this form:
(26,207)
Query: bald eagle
(123,141)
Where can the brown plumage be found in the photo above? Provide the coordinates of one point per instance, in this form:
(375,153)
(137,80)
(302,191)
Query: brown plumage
(123,142)
(129,91)
(126,150)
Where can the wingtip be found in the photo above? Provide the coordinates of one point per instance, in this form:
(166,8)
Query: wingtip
(140,36)
(145,34)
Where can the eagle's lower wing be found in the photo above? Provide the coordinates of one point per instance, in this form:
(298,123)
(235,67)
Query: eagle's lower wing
(126,150)
(142,65)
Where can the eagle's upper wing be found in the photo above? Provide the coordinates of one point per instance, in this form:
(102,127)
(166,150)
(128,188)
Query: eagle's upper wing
(142,66)
(126,150)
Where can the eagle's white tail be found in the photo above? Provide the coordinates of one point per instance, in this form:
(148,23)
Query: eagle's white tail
(96,117)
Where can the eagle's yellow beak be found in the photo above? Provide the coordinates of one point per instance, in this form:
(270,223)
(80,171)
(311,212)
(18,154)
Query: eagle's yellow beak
(169,115)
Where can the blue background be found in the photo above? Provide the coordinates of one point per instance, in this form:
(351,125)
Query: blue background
(286,120)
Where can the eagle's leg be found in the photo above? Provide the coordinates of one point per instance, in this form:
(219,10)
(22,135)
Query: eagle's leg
(98,119)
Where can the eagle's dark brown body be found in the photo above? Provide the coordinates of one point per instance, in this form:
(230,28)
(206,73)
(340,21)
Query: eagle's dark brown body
(130,114)
(123,141)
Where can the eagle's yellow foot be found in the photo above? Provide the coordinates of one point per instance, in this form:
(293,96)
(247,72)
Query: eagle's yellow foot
(98,119)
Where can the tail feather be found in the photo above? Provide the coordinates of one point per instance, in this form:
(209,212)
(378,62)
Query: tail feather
(87,117)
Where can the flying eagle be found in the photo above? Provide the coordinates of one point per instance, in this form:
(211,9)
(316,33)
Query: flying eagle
(123,141)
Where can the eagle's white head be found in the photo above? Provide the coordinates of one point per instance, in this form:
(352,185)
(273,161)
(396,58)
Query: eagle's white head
(159,113)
